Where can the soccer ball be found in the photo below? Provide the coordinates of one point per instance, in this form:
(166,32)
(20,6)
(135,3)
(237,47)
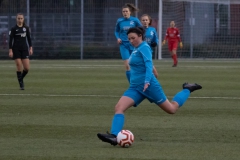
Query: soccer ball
(125,138)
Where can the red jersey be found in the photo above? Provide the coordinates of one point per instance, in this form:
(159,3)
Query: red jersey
(173,34)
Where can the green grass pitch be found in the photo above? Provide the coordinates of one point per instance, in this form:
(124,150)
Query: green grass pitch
(67,102)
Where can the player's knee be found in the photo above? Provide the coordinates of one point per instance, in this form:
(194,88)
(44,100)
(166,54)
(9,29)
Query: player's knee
(18,64)
(119,109)
(171,111)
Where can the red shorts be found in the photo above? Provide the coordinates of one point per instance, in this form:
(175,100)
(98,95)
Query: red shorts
(172,45)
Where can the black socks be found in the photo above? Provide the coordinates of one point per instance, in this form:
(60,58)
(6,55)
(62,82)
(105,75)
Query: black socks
(19,76)
(25,72)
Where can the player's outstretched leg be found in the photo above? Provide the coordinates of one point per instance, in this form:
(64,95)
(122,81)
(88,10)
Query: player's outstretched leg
(117,125)
(109,138)
(191,87)
(182,96)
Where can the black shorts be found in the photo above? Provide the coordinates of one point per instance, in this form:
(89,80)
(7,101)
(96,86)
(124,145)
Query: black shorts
(20,54)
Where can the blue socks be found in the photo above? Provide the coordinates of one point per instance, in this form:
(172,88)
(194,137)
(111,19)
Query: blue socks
(117,124)
(128,74)
(181,97)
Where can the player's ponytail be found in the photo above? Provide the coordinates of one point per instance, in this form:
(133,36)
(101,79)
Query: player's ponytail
(131,7)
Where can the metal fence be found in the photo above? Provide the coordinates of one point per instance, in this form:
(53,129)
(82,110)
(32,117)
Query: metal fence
(84,29)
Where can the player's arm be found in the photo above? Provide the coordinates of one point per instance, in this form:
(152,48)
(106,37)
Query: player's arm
(138,23)
(117,32)
(11,33)
(154,42)
(166,38)
(178,35)
(147,57)
(29,38)
(29,41)
(179,39)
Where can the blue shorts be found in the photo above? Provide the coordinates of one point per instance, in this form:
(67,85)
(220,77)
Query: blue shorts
(126,49)
(154,94)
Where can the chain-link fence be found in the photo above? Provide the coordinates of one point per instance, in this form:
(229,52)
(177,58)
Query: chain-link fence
(85,28)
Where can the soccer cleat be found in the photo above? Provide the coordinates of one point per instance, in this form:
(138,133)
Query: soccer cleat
(191,87)
(21,85)
(109,138)
(175,65)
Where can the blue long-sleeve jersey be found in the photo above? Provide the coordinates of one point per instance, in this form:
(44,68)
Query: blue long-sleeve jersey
(123,25)
(141,65)
(151,35)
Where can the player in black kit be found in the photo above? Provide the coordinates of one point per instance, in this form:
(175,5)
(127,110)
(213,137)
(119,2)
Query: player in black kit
(20,48)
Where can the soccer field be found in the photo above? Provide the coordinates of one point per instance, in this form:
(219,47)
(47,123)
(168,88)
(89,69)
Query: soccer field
(67,102)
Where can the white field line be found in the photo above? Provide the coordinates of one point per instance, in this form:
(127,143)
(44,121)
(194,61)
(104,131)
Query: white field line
(118,66)
(109,96)
(66,66)
(210,60)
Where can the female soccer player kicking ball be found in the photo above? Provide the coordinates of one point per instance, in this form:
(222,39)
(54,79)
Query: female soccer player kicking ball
(143,85)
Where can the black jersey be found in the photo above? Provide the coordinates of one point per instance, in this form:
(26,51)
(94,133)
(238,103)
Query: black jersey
(20,38)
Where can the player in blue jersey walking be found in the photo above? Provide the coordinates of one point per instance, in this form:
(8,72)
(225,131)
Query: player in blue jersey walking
(122,26)
(143,85)
(150,35)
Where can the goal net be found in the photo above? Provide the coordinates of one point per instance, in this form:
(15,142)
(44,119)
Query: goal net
(208,28)
(85,29)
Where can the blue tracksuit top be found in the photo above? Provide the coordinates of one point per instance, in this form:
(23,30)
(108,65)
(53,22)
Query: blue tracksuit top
(123,25)
(141,65)
(151,35)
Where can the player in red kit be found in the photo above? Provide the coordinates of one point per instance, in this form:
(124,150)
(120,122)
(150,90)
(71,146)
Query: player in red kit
(173,37)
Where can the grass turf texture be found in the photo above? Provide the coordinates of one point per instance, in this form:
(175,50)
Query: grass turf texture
(66,103)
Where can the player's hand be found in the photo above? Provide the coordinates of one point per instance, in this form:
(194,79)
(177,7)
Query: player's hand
(10,54)
(181,45)
(119,41)
(153,44)
(164,42)
(155,72)
(146,86)
(30,51)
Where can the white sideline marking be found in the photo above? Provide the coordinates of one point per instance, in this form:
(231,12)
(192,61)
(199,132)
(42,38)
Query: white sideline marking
(82,95)
(163,65)
(119,66)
